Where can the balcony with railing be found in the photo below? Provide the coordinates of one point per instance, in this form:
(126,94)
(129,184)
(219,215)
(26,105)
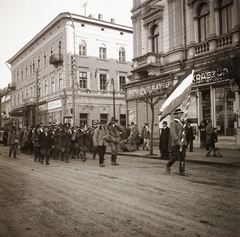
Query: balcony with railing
(216,43)
(12,86)
(29,101)
(149,58)
(56,60)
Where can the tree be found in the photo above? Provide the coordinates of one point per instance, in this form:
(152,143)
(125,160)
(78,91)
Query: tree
(226,63)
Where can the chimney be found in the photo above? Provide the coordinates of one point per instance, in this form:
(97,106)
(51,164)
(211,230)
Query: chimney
(100,16)
(112,20)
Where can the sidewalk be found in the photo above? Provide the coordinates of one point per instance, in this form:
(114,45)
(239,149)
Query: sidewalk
(229,158)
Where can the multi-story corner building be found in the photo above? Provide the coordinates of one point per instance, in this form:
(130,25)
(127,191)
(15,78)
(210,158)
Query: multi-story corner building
(73,71)
(5,108)
(171,35)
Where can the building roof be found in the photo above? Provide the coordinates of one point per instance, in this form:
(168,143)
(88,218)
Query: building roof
(71,17)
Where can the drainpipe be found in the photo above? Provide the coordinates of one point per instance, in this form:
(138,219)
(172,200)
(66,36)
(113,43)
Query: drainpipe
(184,30)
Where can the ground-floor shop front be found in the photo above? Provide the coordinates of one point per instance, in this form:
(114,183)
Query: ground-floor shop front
(211,99)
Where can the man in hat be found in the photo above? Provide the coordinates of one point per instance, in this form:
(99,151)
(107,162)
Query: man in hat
(145,134)
(164,141)
(115,130)
(209,130)
(178,142)
(134,136)
(46,144)
(99,142)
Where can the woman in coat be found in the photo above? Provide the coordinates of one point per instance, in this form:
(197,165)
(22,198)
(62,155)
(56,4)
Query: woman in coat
(98,142)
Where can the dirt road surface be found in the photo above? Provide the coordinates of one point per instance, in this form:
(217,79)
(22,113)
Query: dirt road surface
(136,198)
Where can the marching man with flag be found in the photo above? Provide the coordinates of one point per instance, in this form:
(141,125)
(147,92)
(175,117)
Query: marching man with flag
(180,92)
(178,142)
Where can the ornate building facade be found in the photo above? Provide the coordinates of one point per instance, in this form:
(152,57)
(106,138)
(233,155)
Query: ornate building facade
(73,71)
(171,35)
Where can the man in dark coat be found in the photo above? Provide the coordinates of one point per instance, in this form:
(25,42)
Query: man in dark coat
(65,143)
(164,140)
(46,144)
(189,136)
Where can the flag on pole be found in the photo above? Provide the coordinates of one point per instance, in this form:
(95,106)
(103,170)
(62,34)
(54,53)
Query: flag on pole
(178,94)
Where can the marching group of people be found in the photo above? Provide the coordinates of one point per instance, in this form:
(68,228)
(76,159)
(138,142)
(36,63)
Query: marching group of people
(62,141)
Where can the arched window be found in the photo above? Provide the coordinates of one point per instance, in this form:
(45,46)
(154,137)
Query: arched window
(102,51)
(45,58)
(60,47)
(122,54)
(82,48)
(51,51)
(31,68)
(154,38)
(225,16)
(203,22)
(39,62)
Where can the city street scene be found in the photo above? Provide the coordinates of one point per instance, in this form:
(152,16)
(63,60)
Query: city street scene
(120,118)
(136,198)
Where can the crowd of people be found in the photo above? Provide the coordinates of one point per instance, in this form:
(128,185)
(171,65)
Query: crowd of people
(63,141)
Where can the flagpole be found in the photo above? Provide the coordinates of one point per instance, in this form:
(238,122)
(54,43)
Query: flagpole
(185,118)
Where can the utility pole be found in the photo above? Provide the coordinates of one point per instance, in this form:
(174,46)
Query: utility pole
(114,111)
(73,69)
(37,97)
(73,72)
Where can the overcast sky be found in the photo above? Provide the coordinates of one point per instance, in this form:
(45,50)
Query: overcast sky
(21,20)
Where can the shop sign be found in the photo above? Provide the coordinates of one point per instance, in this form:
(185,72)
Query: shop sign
(209,76)
(141,90)
(54,104)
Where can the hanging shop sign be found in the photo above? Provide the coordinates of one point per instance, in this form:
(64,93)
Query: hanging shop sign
(54,104)
(158,88)
(210,76)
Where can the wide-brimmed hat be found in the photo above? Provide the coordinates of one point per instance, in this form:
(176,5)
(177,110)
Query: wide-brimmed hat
(113,120)
(178,111)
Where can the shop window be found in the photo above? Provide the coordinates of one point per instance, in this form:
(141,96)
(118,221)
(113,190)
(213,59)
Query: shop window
(225,115)
(203,22)
(104,118)
(83,119)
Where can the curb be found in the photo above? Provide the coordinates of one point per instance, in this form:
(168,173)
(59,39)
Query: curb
(201,162)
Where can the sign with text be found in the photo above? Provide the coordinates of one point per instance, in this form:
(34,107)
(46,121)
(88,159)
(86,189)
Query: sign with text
(210,76)
(54,104)
(139,91)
